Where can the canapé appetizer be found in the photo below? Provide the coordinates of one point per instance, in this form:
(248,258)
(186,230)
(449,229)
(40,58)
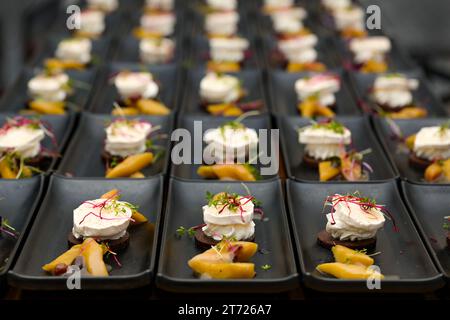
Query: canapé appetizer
(369,53)
(99,227)
(156,24)
(274,5)
(21,152)
(226,260)
(138,93)
(316,95)
(156,50)
(221,24)
(227,54)
(71,53)
(353,222)
(159,5)
(393,94)
(128,148)
(220,95)
(92,24)
(349,20)
(350,264)
(106,6)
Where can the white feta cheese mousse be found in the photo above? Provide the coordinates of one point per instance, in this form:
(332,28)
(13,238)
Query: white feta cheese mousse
(222,5)
(433,143)
(219,88)
(104,5)
(159,23)
(164,5)
(300,49)
(349,18)
(136,85)
(92,22)
(155,51)
(222,23)
(228,49)
(394,90)
(370,48)
(321,87)
(74,49)
(127,137)
(24,139)
(49,87)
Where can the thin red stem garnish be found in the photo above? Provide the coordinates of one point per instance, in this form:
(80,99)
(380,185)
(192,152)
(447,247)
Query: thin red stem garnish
(102,205)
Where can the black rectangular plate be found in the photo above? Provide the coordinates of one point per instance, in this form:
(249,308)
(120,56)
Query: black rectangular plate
(398,157)
(60,126)
(403,260)
(362,139)
(423,96)
(54,221)
(284,97)
(89,140)
(252,82)
(429,205)
(16,98)
(19,201)
(165,75)
(189,171)
(185,201)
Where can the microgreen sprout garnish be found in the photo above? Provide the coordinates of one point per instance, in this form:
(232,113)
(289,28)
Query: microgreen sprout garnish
(110,253)
(237,124)
(30,123)
(443,128)
(331,125)
(367,204)
(181,231)
(7,229)
(266,267)
(446,225)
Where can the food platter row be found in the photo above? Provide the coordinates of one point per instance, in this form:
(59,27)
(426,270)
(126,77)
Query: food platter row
(413,257)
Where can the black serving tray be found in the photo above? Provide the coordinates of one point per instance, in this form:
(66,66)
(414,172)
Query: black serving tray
(428,206)
(362,139)
(48,236)
(185,201)
(397,153)
(89,140)
(423,96)
(19,200)
(61,126)
(167,77)
(403,260)
(16,98)
(284,98)
(252,82)
(189,171)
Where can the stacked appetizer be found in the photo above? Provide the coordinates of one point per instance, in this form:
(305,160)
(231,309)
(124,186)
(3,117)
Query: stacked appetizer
(221,95)
(128,148)
(370,53)
(138,94)
(231,148)
(325,147)
(316,95)
(21,152)
(348,18)
(100,227)
(71,54)
(393,95)
(430,151)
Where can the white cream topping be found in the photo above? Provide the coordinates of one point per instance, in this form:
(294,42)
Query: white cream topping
(215,88)
(49,87)
(322,86)
(228,49)
(349,18)
(299,49)
(394,90)
(432,143)
(231,224)
(77,49)
(104,5)
(136,85)
(224,5)
(322,143)
(113,224)
(370,48)
(278,3)
(336,4)
(227,143)
(22,139)
(156,50)
(160,23)
(222,23)
(127,137)
(92,22)
(286,24)
(351,222)
(166,5)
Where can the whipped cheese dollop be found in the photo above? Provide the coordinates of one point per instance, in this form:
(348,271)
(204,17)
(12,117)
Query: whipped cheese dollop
(433,143)
(349,18)
(300,49)
(219,88)
(92,22)
(104,5)
(278,4)
(288,20)
(113,224)
(230,142)
(49,87)
(74,49)
(23,139)
(222,23)
(165,5)
(394,90)
(154,51)
(323,143)
(228,49)
(136,85)
(159,23)
(226,223)
(336,4)
(127,137)
(222,5)
(321,86)
(370,48)
(350,221)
